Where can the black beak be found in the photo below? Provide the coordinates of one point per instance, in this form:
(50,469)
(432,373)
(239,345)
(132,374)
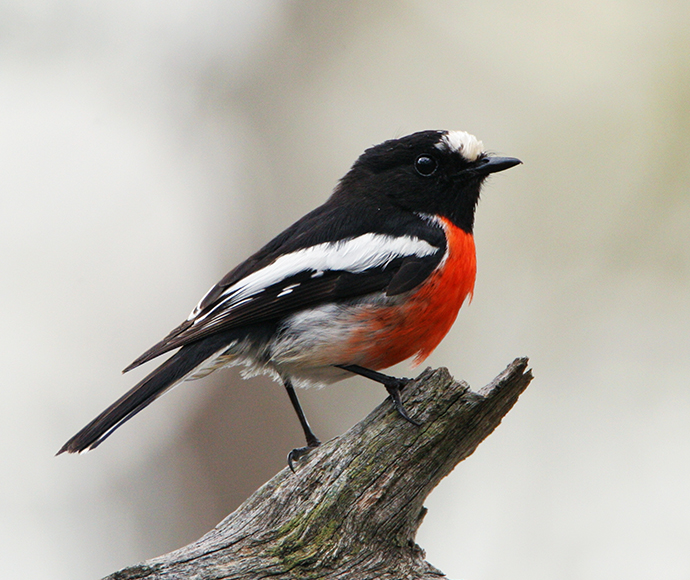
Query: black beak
(494,165)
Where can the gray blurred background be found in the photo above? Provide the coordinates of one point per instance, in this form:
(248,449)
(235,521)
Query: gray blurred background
(147,147)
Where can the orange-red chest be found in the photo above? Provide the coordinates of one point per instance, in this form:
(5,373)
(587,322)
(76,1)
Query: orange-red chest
(414,328)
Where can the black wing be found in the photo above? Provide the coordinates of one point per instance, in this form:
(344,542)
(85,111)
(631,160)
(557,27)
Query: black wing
(257,292)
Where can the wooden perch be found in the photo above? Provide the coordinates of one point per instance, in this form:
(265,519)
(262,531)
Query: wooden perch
(353,507)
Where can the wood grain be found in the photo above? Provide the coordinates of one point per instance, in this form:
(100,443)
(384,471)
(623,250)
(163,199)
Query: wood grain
(353,507)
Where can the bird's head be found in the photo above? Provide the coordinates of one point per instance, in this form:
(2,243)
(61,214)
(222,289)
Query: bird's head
(430,172)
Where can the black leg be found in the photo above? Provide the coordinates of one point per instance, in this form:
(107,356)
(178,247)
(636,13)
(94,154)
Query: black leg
(312,440)
(393,386)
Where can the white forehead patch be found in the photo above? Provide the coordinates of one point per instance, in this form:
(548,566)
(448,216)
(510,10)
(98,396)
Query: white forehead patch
(462,142)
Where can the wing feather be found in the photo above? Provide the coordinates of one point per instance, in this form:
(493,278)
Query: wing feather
(271,284)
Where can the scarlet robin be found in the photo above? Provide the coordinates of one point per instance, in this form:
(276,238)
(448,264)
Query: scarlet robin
(372,277)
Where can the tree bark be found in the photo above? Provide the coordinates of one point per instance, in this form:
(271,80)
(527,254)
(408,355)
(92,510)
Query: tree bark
(353,507)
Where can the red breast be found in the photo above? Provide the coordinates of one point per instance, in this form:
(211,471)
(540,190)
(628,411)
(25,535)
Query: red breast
(393,334)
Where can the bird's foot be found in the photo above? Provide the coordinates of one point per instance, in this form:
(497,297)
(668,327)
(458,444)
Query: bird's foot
(299,452)
(394,386)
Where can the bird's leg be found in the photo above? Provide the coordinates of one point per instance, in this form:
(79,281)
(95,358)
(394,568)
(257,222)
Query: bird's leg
(312,440)
(393,385)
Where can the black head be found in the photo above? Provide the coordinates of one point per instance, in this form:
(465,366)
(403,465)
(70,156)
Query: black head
(431,172)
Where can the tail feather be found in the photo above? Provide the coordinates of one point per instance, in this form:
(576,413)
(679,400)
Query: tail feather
(141,395)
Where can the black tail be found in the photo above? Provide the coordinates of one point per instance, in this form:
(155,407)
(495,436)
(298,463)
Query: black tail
(140,396)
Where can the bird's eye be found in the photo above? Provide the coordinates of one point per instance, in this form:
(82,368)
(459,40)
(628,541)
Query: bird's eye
(425,165)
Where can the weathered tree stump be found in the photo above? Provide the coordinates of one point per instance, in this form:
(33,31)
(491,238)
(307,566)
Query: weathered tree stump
(353,507)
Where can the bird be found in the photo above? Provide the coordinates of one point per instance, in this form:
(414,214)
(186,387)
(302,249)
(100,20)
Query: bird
(374,276)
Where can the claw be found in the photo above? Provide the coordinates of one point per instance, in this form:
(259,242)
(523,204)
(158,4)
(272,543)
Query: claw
(299,452)
(393,385)
(393,389)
